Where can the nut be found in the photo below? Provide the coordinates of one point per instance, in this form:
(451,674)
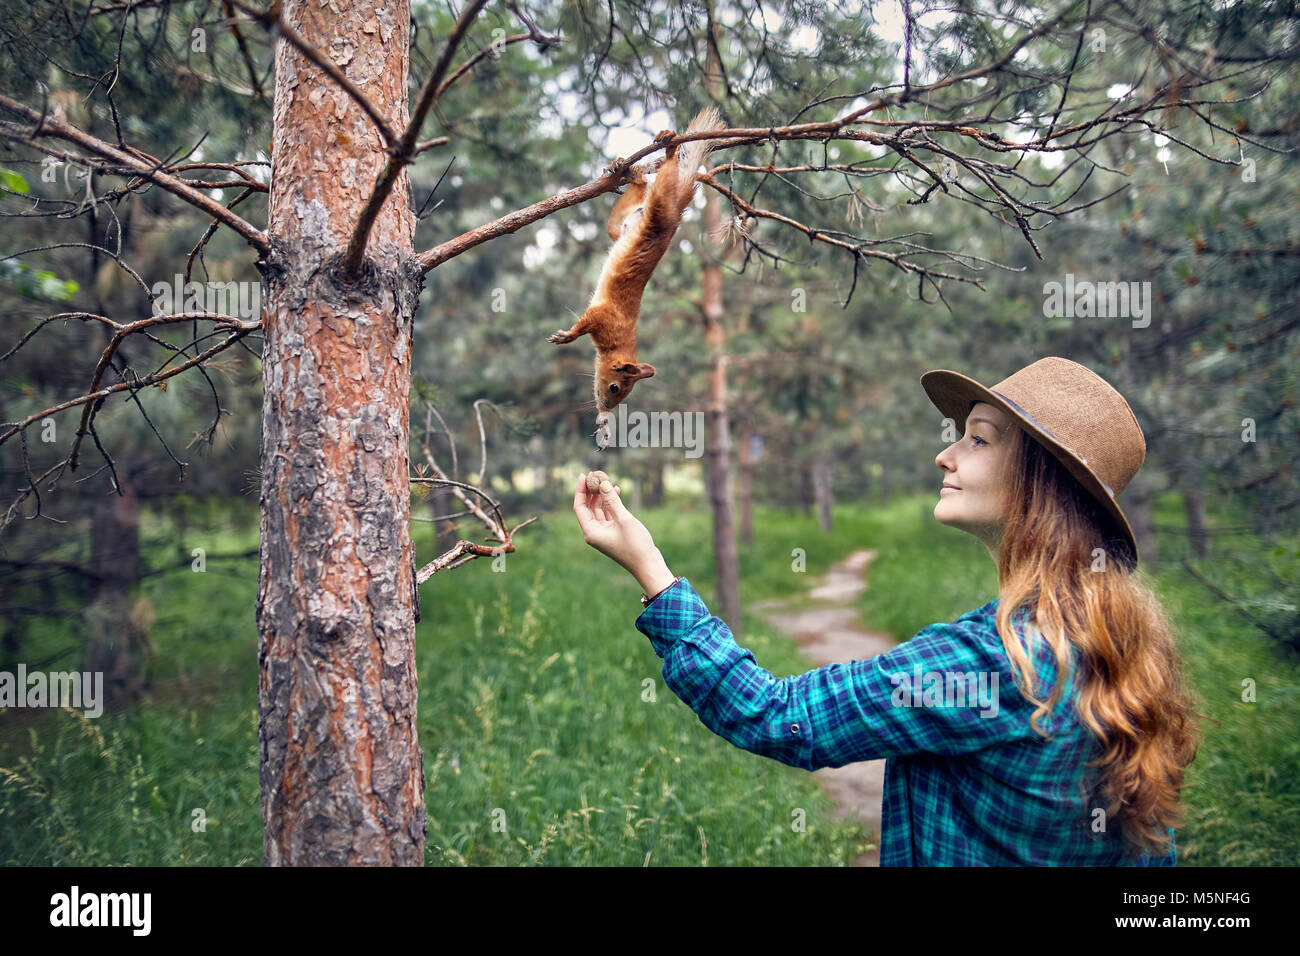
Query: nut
(594,478)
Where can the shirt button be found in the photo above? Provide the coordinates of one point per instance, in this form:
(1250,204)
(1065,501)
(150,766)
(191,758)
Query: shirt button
(794,728)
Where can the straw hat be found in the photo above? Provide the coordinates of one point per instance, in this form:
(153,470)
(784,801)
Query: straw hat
(1072,412)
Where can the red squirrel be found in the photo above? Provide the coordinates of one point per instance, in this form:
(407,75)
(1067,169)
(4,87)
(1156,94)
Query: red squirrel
(642,226)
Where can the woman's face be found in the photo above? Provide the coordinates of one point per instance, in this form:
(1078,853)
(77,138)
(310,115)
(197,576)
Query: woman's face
(975,469)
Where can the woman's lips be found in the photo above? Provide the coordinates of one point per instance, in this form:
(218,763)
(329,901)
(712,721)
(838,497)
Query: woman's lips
(948,489)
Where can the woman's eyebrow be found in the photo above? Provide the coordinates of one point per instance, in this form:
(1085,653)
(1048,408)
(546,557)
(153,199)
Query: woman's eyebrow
(987,421)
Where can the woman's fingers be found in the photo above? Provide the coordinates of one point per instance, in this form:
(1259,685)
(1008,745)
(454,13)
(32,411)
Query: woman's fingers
(589,508)
(610,499)
(582,506)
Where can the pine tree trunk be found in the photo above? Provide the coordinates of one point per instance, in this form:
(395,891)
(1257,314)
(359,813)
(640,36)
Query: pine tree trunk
(861,480)
(805,487)
(115,646)
(745,469)
(822,491)
(342,776)
(444,530)
(544,486)
(1137,507)
(1185,468)
(654,493)
(638,497)
(717,451)
(717,455)
(1194,506)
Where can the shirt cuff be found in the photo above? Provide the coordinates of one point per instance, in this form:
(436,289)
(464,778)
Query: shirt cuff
(674,612)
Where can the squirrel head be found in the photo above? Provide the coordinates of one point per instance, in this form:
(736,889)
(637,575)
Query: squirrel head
(614,380)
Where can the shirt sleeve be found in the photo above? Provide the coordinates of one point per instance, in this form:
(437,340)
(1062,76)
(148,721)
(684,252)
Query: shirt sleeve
(912,699)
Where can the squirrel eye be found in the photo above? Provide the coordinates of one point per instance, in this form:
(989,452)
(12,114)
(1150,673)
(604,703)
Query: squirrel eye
(613,387)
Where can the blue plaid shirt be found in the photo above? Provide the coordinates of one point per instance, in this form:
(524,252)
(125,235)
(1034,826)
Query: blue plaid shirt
(968,781)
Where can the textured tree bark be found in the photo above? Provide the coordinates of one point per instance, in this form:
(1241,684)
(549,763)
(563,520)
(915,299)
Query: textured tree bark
(342,776)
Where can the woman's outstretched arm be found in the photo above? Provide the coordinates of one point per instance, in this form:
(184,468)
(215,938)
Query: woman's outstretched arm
(943,692)
(830,716)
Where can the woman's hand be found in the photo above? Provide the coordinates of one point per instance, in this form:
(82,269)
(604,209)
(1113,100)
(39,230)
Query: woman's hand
(613,531)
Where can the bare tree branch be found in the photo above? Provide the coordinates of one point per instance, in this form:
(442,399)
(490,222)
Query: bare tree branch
(49,126)
(404,151)
(464,550)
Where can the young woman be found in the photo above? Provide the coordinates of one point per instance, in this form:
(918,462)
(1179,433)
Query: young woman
(991,759)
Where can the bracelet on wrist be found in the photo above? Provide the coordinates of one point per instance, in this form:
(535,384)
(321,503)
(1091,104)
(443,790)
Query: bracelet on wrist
(645,601)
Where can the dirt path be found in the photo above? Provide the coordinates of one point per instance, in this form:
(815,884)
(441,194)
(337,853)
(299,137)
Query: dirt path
(828,633)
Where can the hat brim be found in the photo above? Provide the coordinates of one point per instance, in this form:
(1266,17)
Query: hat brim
(954,393)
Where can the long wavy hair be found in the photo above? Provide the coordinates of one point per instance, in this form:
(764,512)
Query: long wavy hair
(1063,558)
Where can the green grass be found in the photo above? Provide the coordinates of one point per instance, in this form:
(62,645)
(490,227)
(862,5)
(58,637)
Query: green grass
(541,745)
(536,704)
(1242,792)
(124,788)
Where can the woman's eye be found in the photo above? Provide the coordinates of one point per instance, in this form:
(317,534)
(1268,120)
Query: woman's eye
(978,440)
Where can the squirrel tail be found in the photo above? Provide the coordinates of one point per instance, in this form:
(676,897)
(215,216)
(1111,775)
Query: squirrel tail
(690,155)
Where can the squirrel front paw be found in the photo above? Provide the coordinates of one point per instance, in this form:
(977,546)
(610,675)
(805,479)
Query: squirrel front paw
(663,137)
(601,434)
(560,336)
(629,174)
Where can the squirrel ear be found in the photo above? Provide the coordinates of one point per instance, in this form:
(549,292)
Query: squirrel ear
(639,371)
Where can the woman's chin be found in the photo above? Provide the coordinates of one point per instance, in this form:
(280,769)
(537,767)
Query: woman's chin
(945,514)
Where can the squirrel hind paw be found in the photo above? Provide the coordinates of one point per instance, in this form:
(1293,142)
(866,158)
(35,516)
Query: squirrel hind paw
(664,134)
